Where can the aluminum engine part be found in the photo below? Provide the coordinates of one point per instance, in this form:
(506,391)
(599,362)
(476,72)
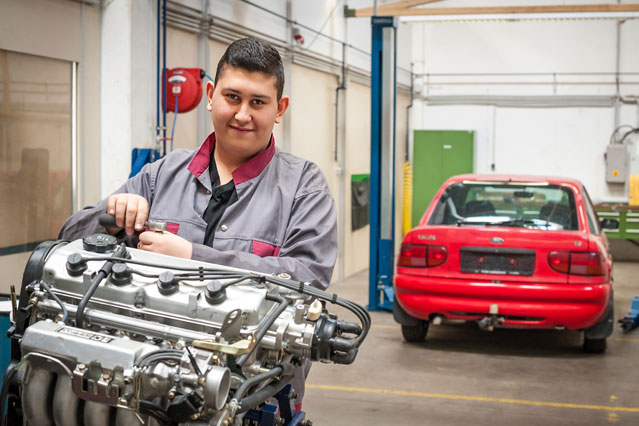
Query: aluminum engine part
(163,340)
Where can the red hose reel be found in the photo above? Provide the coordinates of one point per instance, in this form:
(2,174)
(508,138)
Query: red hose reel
(184,86)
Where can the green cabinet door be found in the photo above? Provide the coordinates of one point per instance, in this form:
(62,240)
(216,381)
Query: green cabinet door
(438,155)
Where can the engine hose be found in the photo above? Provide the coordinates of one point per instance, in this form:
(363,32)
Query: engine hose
(283,369)
(65,312)
(191,271)
(263,394)
(359,311)
(104,272)
(150,409)
(266,325)
(165,355)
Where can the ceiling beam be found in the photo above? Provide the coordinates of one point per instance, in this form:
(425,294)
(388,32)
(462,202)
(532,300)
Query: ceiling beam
(406,11)
(394,5)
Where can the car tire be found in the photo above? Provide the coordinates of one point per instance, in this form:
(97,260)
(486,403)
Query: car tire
(415,333)
(594,346)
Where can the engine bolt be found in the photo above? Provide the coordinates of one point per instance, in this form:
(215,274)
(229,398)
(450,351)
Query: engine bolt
(171,395)
(106,376)
(81,367)
(194,416)
(179,345)
(201,381)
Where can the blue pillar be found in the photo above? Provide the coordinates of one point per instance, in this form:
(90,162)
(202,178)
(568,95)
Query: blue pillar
(382,181)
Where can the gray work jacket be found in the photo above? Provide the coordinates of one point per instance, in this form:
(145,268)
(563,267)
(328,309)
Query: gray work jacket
(283,221)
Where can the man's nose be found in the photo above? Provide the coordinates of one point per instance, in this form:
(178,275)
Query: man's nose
(243,113)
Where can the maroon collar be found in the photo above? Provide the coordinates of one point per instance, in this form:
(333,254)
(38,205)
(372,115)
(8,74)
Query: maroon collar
(245,172)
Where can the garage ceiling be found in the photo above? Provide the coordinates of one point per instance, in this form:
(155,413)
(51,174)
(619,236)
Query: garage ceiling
(409,8)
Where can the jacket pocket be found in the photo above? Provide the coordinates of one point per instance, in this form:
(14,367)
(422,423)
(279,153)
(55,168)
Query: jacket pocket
(264,249)
(172,227)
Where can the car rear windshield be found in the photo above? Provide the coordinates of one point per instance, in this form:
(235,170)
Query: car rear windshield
(527,205)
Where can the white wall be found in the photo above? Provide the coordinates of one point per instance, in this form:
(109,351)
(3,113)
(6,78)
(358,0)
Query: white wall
(511,115)
(127,78)
(69,31)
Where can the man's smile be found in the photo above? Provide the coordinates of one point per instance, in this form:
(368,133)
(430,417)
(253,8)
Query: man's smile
(240,129)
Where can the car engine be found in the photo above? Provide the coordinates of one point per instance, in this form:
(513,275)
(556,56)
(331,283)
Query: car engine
(109,335)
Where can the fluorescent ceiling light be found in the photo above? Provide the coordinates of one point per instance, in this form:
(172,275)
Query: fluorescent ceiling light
(520,17)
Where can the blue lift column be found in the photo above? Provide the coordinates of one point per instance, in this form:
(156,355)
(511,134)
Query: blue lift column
(382,180)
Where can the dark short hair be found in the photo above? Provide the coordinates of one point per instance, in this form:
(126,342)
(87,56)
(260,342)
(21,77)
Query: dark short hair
(253,55)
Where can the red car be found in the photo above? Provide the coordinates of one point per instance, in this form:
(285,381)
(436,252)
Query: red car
(508,251)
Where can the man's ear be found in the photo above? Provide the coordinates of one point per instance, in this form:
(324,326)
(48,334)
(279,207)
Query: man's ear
(209,95)
(282,106)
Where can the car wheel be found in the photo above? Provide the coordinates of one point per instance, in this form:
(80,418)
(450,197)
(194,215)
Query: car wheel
(594,346)
(415,333)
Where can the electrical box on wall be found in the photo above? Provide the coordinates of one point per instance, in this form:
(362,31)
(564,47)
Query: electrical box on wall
(616,163)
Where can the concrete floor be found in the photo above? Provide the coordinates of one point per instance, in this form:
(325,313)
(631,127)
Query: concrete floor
(464,376)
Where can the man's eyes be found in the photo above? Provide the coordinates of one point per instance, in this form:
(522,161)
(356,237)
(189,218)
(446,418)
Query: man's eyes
(234,97)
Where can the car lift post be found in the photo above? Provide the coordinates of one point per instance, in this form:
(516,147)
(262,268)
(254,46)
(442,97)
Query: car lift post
(382,180)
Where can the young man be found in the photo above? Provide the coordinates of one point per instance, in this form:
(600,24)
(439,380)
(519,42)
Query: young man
(237,200)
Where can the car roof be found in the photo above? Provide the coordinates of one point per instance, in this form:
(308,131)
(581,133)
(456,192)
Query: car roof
(555,180)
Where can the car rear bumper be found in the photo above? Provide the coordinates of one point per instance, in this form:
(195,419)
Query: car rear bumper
(522,305)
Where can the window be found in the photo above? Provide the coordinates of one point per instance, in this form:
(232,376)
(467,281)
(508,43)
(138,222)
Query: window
(593,222)
(35,149)
(530,205)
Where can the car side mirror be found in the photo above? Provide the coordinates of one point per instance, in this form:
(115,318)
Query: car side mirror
(610,224)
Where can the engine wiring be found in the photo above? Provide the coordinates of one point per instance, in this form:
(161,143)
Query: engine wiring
(65,312)
(201,273)
(161,355)
(266,324)
(95,283)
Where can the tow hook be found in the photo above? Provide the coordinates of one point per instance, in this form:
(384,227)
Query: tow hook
(489,323)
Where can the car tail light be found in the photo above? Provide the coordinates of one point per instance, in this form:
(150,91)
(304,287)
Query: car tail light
(436,255)
(559,261)
(421,255)
(589,263)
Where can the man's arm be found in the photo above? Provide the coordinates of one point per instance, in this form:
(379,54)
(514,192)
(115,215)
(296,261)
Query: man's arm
(309,249)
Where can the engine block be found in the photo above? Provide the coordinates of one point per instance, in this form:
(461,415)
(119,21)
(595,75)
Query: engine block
(109,335)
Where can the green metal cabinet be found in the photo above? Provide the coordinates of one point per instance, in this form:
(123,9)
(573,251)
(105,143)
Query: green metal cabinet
(438,155)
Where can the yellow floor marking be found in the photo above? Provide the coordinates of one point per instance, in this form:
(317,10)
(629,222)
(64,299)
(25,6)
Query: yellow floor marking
(613,418)
(475,398)
(626,339)
(384,326)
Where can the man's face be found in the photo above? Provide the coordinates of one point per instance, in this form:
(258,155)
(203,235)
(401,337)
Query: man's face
(244,108)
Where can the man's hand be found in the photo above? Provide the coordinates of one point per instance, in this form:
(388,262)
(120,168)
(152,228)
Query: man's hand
(130,211)
(165,243)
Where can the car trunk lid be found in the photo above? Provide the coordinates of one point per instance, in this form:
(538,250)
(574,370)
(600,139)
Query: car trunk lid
(498,253)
